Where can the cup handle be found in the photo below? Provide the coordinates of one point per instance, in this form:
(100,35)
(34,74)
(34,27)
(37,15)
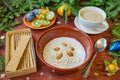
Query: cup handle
(101,27)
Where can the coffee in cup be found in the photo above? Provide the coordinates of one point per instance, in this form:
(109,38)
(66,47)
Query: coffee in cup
(91,17)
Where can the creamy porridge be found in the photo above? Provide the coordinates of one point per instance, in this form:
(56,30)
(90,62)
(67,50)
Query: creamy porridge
(64,52)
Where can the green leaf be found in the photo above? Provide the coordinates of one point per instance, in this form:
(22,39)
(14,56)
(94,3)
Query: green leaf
(71,2)
(2,59)
(8,29)
(118,9)
(10,24)
(116,32)
(56,1)
(117,24)
(30,4)
(25,6)
(74,10)
(58,5)
(65,14)
(41,2)
(2,63)
(109,3)
(87,4)
(114,39)
(11,16)
(46,1)
(112,7)
(6,4)
(115,54)
(1,66)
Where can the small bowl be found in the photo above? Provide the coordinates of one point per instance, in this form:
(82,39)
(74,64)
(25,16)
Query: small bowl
(64,31)
(28,23)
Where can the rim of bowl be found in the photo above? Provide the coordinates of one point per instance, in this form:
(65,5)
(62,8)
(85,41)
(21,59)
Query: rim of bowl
(63,27)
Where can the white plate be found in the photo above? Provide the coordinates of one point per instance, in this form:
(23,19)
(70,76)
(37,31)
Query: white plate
(91,31)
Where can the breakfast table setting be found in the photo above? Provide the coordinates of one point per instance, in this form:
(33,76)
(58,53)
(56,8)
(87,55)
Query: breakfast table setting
(90,36)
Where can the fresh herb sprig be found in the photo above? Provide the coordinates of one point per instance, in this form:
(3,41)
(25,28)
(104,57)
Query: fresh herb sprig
(2,63)
(116,33)
(93,3)
(9,9)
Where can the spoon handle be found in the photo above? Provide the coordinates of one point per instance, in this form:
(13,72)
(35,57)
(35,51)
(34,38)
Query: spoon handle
(86,71)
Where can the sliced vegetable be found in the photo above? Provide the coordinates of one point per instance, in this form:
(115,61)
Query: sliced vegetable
(42,13)
(44,22)
(50,15)
(36,23)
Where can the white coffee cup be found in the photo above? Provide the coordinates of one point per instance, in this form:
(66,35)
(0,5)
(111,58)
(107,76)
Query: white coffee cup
(91,17)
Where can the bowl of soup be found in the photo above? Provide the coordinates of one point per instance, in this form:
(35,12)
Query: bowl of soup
(64,49)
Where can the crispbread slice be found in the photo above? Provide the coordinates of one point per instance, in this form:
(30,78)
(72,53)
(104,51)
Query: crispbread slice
(17,38)
(27,54)
(23,62)
(12,45)
(26,58)
(23,59)
(30,55)
(13,63)
(20,71)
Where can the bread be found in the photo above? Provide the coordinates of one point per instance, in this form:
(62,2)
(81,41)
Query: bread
(18,52)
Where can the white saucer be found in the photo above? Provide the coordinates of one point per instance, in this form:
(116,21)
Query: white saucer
(90,31)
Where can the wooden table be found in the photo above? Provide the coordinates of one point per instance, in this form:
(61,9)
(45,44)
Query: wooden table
(98,66)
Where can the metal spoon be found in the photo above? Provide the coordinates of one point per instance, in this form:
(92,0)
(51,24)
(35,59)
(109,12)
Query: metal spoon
(100,45)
